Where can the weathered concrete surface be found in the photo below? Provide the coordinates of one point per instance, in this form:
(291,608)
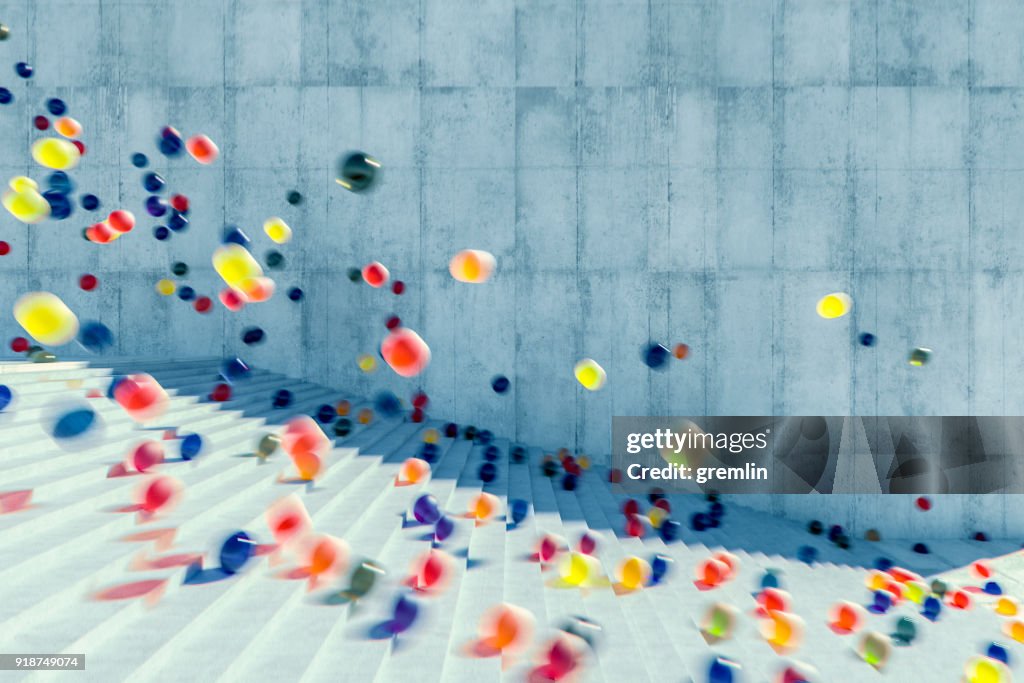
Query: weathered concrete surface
(672,171)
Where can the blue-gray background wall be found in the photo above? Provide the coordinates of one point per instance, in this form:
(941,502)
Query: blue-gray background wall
(697,172)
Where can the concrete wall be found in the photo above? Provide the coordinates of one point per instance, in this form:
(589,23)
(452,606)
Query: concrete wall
(696,172)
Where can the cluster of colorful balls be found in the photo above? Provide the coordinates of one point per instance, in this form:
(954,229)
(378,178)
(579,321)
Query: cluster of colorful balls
(307,445)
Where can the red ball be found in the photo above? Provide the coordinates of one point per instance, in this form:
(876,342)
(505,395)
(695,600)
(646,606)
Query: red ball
(180,203)
(418,415)
(398,287)
(204,304)
(88,282)
(221,392)
(663,504)
(19,345)
(41,122)
(420,400)
(614,475)
(393,322)
(635,526)
(375,274)
(631,507)
(121,220)
(79,145)
(5,249)
(923,503)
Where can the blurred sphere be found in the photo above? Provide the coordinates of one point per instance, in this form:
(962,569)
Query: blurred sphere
(375,274)
(253,335)
(156,207)
(277,230)
(23,70)
(41,122)
(233,235)
(488,472)
(405,352)
(186,293)
(591,375)
(387,404)
(866,339)
(274,259)
(397,287)
(500,384)
(5,32)
(180,269)
(472,266)
(294,197)
(919,356)
(140,160)
(170,142)
(73,423)
(426,509)
(234,369)
(46,318)
(95,337)
(180,203)
(357,172)
(834,305)
(56,106)
(90,202)
(5,396)
(235,552)
(153,183)
(268,444)
(60,182)
(655,356)
(282,398)
(60,205)
(191,446)
(6,96)
(295,294)
(177,222)
(161,232)
(165,287)
(343,427)
(681,351)
(202,149)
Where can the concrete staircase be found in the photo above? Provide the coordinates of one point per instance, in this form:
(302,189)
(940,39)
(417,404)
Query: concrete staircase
(56,554)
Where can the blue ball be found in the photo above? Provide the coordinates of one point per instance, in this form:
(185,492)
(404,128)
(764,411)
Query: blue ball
(61,182)
(74,423)
(5,396)
(282,398)
(326,413)
(518,508)
(491,453)
(993,588)
(295,294)
(140,160)
(6,96)
(429,452)
(716,510)
(186,293)
(932,607)
(170,145)
(655,356)
(669,530)
(95,336)
(90,202)
(178,222)
(807,554)
(153,182)
(659,568)
(770,580)
(700,521)
(722,671)
(56,106)
(569,482)
(500,384)
(485,436)
(60,206)
(233,235)
(488,472)
(156,207)
(867,339)
(921,549)
(252,335)
(235,552)
(387,404)
(881,602)
(161,232)
(191,445)
(883,564)
(997,652)
(234,369)
(23,70)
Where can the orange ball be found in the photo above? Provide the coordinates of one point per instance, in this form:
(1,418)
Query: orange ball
(847,617)
(506,627)
(406,352)
(202,149)
(730,561)
(483,506)
(365,416)
(343,408)
(413,470)
(773,600)
(68,127)
(712,572)
(681,351)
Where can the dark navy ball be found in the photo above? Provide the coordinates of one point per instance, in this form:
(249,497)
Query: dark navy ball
(23,70)
(295,294)
(153,182)
(700,521)
(56,106)
(451,430)
(357,172)
(488,472)
(518,509)
(178,222)
(500,384)
(669,530)
(655,356)
(186,293)
(491,453)
(355,275)
(716,510)
(275,259)
(387,404)
(815,527)
(234,369)
(161,232)
(60,205)
(282,398)
(518,454)
(867,339)
(883,564)
(343,427)
(485,436)
(140,160)
(233,235)
(429,452)
(469,433)
(549,468)
(253,335)
(921,549)
(90,202)
(807,554)
(235,552)
(61,182)
(180,269)
(326,413)
(95,337)
(294,198)
(191,445)
(170,143)
(659,568)
(74,423)
(6,96)
(569,482)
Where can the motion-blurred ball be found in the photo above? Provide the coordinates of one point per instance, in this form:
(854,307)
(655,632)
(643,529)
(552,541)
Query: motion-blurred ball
(357,172)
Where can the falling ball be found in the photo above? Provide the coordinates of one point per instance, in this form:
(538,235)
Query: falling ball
(153,182)
(5,32)
(397,287)
(235,552)
(426,510)
(202,149)
(500,384)
(5,248)
(295,294)
(681,351)
(357,172)
(375,274)
(591,375)
(867,339)
(274,259)
(46,318)
(294,198)
(5,396)
(655,356)
(472,266)
(253,335)
(88,282)
(488,472)
(919,356)
(834,305)
(95,336)
(23,70)
(282,398)
(140,160)
(405,352)
(191,446)
(277,230)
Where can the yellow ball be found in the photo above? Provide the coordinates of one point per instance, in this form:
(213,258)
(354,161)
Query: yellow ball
(916,592)
(46,318)
(576,568)
(28,206)
(657,516)
(431,436)
(367,363)
(165,287)
(984,670)
(22,184)
(472,265)
(591,375)
(235,265)
(584,462)
(55,153)
(1007,606)
(834,305)
(634,573)
(277,230)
